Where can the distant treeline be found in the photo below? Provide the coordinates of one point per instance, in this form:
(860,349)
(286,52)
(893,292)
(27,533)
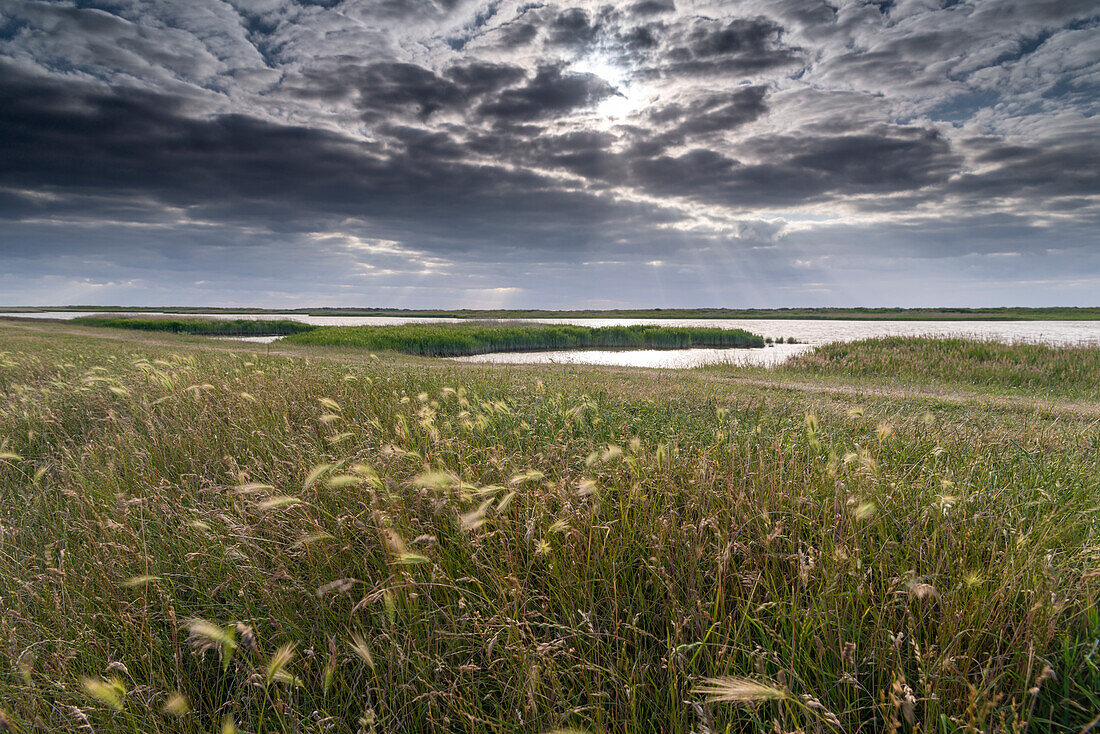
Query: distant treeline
(204,327)
(1007,313)
(452,340)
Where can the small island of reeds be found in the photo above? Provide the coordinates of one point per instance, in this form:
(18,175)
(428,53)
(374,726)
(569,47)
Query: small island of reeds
(199,326)
(454,340)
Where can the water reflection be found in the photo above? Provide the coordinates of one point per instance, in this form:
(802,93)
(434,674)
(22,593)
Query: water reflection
(254,339)
(666,358)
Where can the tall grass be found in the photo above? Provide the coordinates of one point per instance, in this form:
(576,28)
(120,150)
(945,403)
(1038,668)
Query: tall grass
(188,540)
(205,327)
(461,339)
(987,364)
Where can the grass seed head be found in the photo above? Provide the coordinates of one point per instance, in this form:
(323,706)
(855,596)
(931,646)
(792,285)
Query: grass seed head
(276,666)
(733,689)
(176,704)
(108,692)
(360,647)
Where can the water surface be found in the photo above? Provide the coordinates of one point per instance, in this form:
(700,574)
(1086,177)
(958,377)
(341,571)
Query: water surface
(809,332)
(667,358)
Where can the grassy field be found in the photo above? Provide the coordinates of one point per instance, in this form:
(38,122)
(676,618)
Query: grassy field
(192,536)
(452,340)
(1031,368)
(1010,313)
(205,327)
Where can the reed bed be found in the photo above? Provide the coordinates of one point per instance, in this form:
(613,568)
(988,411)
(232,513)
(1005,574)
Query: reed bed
(206,542)
(452,340)
(199,326)
(985,364)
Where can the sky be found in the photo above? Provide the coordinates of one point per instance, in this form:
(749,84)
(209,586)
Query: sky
(502,153)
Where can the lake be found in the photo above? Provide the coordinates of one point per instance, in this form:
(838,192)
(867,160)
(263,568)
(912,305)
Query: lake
(809,332)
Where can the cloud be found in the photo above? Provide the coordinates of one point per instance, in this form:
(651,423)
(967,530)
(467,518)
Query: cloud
(504,139)
(712,113)
(652,7)
(572,27)
(238,170)
(739,47)
(1066,166)
(551,92)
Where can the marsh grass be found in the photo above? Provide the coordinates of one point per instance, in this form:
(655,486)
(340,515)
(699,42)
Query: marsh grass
(202,542)
(199,326)
(1035,368)
(451,340)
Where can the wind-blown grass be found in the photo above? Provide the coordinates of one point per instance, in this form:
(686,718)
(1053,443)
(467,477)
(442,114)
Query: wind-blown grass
(192,539)
(986,364)
(204,327)
(452,340)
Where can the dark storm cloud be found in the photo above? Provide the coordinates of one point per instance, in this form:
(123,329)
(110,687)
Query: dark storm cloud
(482,131)
(1056,168)
(739,46)
(713,113)
(74,140)
(652,7)
(551,92)
(588,154)
(386,86)
(480,77)
(572,27)
(401,9)
(518,34)
(641,38)
(896,159)
(390,88)
(785,171)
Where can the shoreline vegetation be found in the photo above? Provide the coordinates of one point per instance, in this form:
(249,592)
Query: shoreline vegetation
(1010,313)
(454,340)
(200,327)
(203,538)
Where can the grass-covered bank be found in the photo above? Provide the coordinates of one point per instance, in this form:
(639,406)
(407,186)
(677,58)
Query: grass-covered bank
(451,340)
(188,538)
(1033,368)
(198,326)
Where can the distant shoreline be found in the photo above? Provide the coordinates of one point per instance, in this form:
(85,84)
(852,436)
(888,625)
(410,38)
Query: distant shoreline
(1009,313)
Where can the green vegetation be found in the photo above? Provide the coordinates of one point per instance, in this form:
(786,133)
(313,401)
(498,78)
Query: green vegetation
(1008,313)
(199,536)
(449,340)
(1071,371)
(204,327)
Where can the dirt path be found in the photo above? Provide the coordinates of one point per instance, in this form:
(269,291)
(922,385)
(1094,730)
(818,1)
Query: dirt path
(943,394)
